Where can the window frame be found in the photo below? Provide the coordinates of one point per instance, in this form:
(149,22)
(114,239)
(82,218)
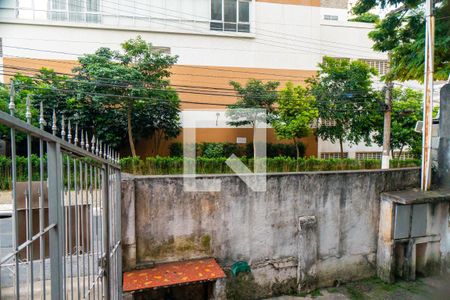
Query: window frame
(220,25)
(66,12)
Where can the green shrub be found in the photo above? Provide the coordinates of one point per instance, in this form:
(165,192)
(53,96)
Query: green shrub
(176,149)
(274,150)
(212,150)
(217,165)
(366,18)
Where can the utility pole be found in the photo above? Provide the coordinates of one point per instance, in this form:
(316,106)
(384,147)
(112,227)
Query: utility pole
(428,97)
(387,122)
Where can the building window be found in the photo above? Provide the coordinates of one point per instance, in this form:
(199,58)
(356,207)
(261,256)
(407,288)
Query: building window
(404,155)
(333,155)
(368,155)
(230,15)
(382,66)
(75,11)
(330,17)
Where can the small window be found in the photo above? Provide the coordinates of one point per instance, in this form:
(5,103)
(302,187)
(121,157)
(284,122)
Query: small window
(404,155)
(382,66)
(230,15)
(368,155)
(331,17)
(333,155)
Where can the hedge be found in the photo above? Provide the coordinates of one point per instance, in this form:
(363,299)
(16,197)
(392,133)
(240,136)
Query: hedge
(204,165)
(218,150)
(21,170)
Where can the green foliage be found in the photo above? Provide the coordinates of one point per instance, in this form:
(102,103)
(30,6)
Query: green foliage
(366,18)
(345,98)
(212,150)
(406,111)
(254,95)
(402,32)
(21,169)
(144,105)
(176,149)
(274,150)
(204,165)
(296,112)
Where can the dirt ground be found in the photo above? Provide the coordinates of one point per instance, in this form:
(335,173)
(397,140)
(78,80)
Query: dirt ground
(431,288)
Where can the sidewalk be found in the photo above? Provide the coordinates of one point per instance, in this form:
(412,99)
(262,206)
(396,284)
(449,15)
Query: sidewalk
(430,288)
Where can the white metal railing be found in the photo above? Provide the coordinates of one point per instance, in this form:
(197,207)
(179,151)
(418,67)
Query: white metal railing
(65,224)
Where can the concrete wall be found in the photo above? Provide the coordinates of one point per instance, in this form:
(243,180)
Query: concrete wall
(307,229)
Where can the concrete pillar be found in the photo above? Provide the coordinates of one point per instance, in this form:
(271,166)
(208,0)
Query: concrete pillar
(444,138)
(307,253)
(385,251)
(128,225)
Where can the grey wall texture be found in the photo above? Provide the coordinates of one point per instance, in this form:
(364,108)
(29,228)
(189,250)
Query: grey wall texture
(310,229)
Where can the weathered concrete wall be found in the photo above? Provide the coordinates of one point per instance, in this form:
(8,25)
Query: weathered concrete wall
(308,228)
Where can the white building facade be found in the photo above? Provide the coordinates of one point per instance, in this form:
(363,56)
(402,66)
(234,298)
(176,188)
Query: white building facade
(216,41)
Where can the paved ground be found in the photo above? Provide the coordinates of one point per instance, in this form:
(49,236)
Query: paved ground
(432,288)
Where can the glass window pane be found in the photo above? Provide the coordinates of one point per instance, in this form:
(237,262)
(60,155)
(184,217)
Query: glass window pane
(244,28)
(216,10)
(93,5)
(58,4)
(244,9)
(230,10)
(230,26)
(216,26)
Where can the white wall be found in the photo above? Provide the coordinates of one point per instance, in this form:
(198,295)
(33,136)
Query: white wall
(287,37)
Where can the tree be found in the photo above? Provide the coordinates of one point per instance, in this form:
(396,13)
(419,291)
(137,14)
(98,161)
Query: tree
(366,18)
(406,111)
(127,93)
(253,97)
(402,32)
(296,112)
(344,100)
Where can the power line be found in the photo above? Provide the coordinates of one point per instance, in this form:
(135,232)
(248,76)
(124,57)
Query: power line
(198,67)
(208,31)
(181,101)
(182,90)
(279,35)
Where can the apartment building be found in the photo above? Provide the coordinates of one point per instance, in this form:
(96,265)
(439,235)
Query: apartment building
(216,41)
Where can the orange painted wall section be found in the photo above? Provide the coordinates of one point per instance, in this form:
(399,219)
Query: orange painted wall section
(220,77)
(189,81)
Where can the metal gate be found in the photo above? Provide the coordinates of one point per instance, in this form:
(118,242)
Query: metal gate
(60,217)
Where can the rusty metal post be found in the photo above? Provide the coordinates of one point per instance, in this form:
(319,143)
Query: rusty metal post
(428,97)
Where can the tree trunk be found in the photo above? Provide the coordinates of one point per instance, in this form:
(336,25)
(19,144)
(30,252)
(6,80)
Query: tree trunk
(400,153)
(296,148)
(342,148)
(130,130)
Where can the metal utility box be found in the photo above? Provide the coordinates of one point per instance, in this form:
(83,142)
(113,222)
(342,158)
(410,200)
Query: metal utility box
(410,221)
(413,234)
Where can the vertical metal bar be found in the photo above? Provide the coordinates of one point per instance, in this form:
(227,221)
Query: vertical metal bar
(119,228)
(85,226)
(77,226)
(62,223)
(91,235)
(29,202)
(14,196)
(97,235)
(105,232)
(69,212)
(41,203)
(82,225)
(56,238)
